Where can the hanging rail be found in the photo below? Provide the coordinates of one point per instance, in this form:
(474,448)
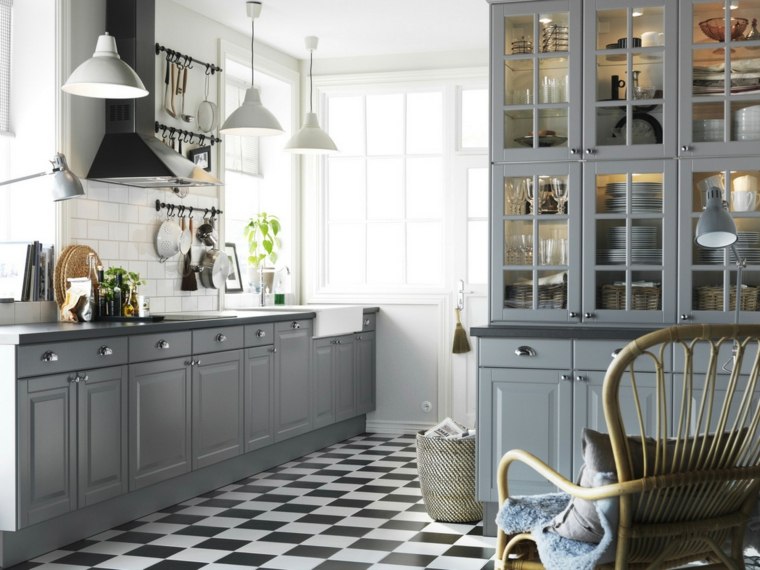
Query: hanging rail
(181,209)
(184,60)
(181,135)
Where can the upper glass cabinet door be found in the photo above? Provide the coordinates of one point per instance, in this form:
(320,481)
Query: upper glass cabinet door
(536,81)
(630,90)
(720,77)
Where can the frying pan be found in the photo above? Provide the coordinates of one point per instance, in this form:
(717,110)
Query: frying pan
(215,267)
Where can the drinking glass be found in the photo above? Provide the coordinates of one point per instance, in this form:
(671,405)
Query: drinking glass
(515,197)
(559,192)
(526,185)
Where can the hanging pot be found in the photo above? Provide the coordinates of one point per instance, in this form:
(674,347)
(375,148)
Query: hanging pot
(215,267)
(205,233)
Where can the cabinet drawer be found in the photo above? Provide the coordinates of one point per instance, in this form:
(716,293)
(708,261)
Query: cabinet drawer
(161,345)
(597,355)
(259,335)
(53,357)
(294,325)
(525,353)
(216,339)
(369,321)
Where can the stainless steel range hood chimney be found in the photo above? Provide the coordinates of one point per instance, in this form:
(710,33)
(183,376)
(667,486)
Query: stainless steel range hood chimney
(130,154)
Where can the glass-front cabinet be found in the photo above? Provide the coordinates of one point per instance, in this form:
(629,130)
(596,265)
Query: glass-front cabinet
(536,235)
(629,242)
(536,83)
(630,79)
(708,276)
(719,77)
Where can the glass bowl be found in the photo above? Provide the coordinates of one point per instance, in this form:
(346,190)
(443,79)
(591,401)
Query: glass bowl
(715,28)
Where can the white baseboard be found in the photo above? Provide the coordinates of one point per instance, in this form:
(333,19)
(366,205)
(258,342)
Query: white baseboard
(374,426)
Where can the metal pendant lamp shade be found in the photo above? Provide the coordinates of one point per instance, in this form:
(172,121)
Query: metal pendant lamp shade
(311,139)
(65,184)
(252,118)
(716,227)
(105,75)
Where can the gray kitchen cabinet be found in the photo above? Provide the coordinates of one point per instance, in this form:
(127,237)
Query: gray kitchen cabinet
(323,381)
(259,397)
(365,372)
(218,380)
(72,444)
(292,394)
(345,380)
(160,397)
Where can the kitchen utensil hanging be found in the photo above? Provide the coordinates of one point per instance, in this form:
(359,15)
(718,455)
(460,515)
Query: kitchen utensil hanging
(182,90)
(167,237)
(215,267)
(207,111)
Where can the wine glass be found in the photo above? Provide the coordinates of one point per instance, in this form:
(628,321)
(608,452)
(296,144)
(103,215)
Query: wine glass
(528,190)
(515,197)
(559,192)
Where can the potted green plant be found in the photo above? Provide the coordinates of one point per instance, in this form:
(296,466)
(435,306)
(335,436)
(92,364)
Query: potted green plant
(262,233)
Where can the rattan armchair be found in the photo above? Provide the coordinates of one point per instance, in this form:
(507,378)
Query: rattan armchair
(701,464)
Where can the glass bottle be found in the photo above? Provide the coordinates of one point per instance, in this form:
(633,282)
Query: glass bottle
(94,288)
(131,307)
(101,299)
(117,298)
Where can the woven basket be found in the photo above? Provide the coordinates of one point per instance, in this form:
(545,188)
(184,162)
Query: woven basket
(447,478)
(710,298)
(549,296)
(642,298)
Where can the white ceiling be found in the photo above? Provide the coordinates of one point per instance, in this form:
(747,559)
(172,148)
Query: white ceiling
(351,28)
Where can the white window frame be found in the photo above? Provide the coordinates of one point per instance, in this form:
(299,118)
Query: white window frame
(315,240)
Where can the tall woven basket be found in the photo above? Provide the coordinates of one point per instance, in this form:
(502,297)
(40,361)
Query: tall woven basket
(447,478)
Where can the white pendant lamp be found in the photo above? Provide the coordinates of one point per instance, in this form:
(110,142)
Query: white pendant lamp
(311,139)
(252,118)
(105,75)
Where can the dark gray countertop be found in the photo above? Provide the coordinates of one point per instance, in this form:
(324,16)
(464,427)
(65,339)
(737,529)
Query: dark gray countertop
(47,332)
(590,332)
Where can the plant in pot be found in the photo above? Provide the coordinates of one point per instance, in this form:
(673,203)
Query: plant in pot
(264,245)
(130,281)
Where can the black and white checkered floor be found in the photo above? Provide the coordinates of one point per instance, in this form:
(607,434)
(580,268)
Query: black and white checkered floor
(355,505)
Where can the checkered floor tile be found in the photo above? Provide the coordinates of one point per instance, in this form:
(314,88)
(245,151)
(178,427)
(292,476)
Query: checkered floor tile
(355,505)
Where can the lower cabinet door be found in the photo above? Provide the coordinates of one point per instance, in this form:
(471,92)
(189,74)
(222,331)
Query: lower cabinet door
(365,375)
(345,389)
(159,421)
(259,392)
(217,407)
(523,409)
(292,397)
(323,382)
(102,407)
(47,447)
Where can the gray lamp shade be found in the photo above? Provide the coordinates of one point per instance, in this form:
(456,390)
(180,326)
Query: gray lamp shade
(251,118)
(66,184)
(105,75)
(311,139)
(716,227)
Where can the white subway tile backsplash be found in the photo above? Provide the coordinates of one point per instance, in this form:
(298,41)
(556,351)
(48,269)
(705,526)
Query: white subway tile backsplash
(85,208)
(129,251)
(97,191)
(189,303)
(138,196)
(143,234)
(171,304)
(27,313)
(165,287)
(119,232)
(205,304)
(129,214)
(78,228)
(156,270)
(108,250)
(158,305)
(108,212)
(97,229)
(118,194)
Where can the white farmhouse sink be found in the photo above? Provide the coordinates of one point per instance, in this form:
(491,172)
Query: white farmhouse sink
(331,320)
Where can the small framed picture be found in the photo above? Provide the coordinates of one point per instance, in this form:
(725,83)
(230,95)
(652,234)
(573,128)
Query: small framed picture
(234,283)
(201,156)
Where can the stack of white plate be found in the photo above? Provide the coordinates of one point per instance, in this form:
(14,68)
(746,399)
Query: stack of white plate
(746,124)
(708,130)
(746,245)
(637,256)
(646,197)
(642,237)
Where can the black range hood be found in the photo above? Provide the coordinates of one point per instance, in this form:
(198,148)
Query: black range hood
(130,153)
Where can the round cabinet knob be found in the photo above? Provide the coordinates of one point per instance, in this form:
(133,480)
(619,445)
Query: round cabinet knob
(572,315)
(162,345)
(580,379)
(75,379)
(273,350)
(525,351)
(590,151)
(574,151)
(189,362)
(221,337)
(261,333)
(105,351)
(565,377)
(686,148)
(359,337)
(198,362)
(295,325)
(367,322)
(588,315)
(49,356)
(685,317)
(85,378)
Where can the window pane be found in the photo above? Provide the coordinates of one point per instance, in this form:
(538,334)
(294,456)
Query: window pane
(385,189)
(424,253)
(477,192)
(424,188)
(424,123)
(385,124)
(477,252)
(346,189)
(385,254)
(474,118)
(345,264)
(345,123)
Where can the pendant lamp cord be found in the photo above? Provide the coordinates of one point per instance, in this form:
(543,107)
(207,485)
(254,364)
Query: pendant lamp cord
(311,82)
(253,22)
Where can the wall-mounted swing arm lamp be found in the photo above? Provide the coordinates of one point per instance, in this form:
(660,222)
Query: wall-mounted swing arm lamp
(252,118)
(311,139)
(716,229)
(105,75)
(65,183)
